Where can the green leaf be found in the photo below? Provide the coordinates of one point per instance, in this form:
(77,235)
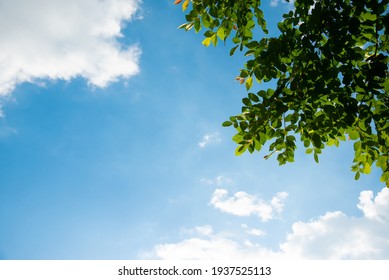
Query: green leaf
(316,140)
(252,45)
(236,40)
(307,143)
(281,159)
(232,51)
(209,33)
(246,102)
(330,63)
(244,73)
(367,16)
(253,97)
(315,156)
(197,25)
(385,177)
(227,123)
(357,146)
(237,138)
(332,142)
(258,145)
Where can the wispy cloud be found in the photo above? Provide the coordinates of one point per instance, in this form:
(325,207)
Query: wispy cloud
(65,39)
(218,181)
(274,3)
(253,231)
(204,230)
(6,131)
(244,204)
(208,139)
(334,235)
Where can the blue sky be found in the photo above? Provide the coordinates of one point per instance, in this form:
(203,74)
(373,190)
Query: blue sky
(111,147)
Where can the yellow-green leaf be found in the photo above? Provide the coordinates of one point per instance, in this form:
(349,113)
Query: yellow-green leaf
(185,5)
(214,39)
(206,41)
(332,142)
(249,82)
(366,168)
(385,178)
(354,135)
(240,150)
(221,33)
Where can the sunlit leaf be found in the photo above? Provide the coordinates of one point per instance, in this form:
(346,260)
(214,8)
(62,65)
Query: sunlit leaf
(185,5)
(221,33)
(207,41)
(240,150)
(249,82)
(366,168)
(354,135)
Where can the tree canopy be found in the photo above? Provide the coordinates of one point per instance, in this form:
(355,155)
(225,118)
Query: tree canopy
(330,66)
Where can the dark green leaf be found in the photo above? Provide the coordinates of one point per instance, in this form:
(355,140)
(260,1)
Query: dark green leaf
(227,123)
(316,140)
(315,156)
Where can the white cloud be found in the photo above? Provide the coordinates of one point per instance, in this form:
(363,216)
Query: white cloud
(331,236)
(209,138)
(216,248)
(197,248)
(243,204)
(64,39)
(374,208)
(338,236)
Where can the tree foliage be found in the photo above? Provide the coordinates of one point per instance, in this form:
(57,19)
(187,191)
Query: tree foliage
(330,66)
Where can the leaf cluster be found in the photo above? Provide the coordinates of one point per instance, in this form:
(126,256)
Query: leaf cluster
(330,65)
